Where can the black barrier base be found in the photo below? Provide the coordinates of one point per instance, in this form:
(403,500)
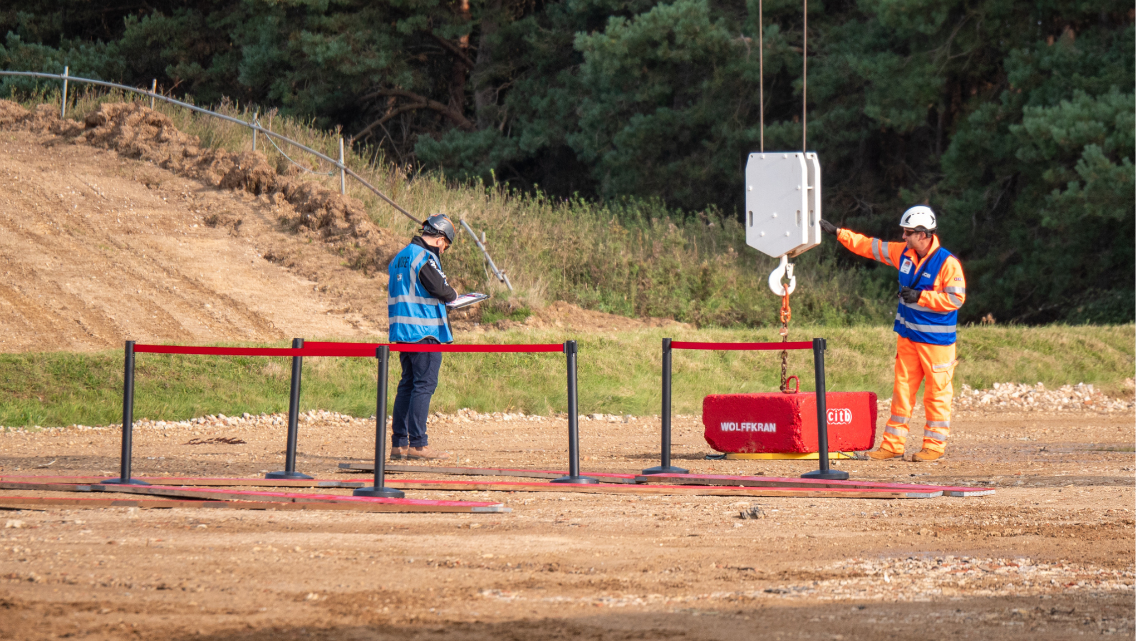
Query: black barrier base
(120,481)
(288,476)
(665,470)
(577,480)
(830,475)
(379,493)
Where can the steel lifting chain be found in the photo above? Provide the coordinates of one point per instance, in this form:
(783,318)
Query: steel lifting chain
(785,316)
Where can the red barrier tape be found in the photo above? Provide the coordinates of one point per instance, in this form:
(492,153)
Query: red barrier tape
(369,349)
(477,348)
(221,351)
(365,350)
(742,346)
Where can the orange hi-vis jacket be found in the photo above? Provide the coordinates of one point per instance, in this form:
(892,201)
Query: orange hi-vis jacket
(916,360)
(949,291)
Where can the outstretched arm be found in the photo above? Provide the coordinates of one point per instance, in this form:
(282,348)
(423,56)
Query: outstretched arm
(873,248)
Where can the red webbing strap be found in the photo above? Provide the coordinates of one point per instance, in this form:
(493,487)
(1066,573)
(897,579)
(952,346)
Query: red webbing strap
(221,351)
(365,350)
(406,347)
(775,347)
(369,349)
(325,348)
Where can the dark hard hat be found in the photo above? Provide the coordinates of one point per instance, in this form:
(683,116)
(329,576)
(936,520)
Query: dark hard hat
(440,225)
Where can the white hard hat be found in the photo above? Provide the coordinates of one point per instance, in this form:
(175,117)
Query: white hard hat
(919,216)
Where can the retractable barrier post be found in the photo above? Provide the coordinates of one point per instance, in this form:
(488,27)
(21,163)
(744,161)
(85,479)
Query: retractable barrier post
(128,419)
(818,347)
(571,349)
(666,412)
(290,471)
(378,489)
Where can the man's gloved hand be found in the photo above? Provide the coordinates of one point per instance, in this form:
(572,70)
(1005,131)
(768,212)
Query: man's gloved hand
(828,228)
(908,295)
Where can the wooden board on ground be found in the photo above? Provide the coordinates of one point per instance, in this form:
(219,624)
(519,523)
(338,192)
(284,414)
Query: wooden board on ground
(45,487)
(404,505)
(782,456)
(679,479)
(388,504)
(49,502)
(765,481)
(494,486)
(192,481)
(604,477)
(659,490)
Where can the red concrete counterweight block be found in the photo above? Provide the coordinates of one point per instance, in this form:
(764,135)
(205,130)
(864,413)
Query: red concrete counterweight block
(786,423)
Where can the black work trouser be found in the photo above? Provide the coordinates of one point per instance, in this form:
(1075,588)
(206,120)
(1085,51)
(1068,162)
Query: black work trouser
(418,380)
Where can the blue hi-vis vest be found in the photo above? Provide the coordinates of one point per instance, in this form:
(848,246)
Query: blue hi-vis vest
(413,313)
(918,323)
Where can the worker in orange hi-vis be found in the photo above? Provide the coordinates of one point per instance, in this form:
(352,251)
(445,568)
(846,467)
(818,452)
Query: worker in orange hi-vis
(931,290)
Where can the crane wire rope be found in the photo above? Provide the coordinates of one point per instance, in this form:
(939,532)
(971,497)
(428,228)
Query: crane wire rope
(804,92)
(760,40)
(760,49)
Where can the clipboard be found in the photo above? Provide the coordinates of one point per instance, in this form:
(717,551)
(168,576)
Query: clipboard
(466,300)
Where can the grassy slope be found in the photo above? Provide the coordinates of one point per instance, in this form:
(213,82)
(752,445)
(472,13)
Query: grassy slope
(619,373)
(631,258)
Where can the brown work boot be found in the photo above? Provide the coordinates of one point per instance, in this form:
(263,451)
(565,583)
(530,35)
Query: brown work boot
(925,456)
(882,454)
(426,454)
(399,453)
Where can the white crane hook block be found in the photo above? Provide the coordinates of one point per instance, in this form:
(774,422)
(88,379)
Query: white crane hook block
(776,202)
(777,275)
(814,198)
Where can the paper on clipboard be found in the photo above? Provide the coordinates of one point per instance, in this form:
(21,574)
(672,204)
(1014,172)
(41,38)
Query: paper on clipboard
(466,300)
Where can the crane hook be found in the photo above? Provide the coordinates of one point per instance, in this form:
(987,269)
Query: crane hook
(777,275)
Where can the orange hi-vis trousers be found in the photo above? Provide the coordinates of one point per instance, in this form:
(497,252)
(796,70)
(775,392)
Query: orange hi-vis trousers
(913,363)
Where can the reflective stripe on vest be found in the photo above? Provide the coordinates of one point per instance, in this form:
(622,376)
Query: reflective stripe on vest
(881,252)
(413,313)
(918,323)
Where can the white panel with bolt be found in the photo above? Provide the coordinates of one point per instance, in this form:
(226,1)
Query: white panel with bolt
(776,203)
(814,198)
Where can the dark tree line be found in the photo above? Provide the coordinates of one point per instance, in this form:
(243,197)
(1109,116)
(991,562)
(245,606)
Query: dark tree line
(1013,118)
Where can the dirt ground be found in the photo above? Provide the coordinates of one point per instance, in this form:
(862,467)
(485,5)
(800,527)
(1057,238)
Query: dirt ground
(1049,556)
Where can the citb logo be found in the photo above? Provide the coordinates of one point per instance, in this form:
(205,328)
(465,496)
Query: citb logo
(839,416)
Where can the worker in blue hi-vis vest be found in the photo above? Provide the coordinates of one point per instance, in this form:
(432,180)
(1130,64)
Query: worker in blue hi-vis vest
(417,293)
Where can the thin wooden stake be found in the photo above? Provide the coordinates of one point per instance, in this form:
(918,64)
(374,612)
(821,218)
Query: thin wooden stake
(63,103)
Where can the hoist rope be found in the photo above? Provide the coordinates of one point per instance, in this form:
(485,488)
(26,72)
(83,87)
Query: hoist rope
(804,117)
(760,5)
(760,41)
